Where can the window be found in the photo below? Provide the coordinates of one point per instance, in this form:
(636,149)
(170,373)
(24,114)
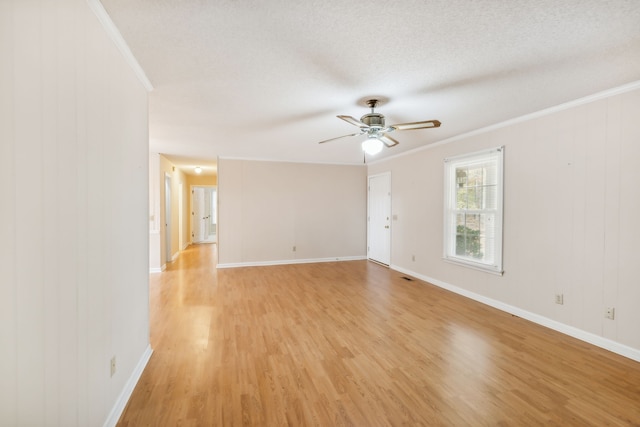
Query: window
(473,210)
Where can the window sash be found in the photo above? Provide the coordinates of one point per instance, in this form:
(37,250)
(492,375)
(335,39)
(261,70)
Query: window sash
(477,242)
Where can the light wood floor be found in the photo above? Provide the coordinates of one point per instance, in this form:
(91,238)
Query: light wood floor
(353,343)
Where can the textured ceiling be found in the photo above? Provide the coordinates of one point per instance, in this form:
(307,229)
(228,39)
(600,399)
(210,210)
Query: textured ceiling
(265,79)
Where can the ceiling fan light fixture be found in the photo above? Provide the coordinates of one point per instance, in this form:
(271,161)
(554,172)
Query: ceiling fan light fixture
(372,146)
(373,126)
(198,170)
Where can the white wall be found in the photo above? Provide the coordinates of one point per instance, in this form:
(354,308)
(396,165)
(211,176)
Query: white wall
(267,208)
(73,216)
(571,219)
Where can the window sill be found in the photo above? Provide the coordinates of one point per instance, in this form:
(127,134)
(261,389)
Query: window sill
(474,266)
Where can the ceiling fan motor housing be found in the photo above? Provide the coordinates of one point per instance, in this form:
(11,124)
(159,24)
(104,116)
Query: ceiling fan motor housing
(373,120)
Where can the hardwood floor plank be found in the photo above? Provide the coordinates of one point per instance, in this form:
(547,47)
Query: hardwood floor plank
(355,344)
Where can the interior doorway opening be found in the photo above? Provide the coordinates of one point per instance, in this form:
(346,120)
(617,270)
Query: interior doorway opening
(379,218)
(167,218)
(204,221)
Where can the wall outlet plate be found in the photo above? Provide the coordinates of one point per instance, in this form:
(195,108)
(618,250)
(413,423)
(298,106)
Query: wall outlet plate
(113,366)
(610,313)
(559,299)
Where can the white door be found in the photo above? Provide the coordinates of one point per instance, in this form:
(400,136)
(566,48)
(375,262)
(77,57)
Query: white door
(379,218)
(203,214)
(199,219)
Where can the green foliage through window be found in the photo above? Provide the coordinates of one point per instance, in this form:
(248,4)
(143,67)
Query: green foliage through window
(468,242)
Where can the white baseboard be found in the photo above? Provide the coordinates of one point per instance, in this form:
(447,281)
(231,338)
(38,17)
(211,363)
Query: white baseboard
(158,269)
(289,261)
(597,340)
(122,400)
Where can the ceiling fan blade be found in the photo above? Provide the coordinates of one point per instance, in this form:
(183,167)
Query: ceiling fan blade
(338,137)
(353,121)
(388,141)
(416,125)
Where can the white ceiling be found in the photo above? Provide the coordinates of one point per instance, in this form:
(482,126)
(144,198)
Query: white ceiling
(265,79)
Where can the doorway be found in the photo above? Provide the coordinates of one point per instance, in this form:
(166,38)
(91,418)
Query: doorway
(203,213)
(181,243)
(379,218)
(167,218)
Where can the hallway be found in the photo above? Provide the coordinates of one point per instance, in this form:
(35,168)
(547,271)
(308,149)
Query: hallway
(354,343)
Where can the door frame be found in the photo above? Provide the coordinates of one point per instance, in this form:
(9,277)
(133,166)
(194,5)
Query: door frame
(167,218)
(181,243)
(191,187)
(388,249)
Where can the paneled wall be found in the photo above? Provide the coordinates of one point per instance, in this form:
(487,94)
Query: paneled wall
(73,216)
(571,219)
(268,208)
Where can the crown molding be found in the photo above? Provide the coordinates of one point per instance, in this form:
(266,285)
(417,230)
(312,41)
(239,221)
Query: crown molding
(561,107)
(115,36)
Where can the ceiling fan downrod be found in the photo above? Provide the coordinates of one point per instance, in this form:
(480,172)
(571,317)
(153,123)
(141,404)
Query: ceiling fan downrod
(372,104)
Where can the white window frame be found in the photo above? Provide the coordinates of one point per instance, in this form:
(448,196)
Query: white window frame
(451,210)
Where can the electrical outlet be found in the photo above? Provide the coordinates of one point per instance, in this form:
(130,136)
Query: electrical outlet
(610,313)
(559,299)
(113,366)
(413,257)
(294,249)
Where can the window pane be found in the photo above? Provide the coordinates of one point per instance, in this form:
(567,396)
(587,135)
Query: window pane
(468,230)
(461,198)
(491,174)
(460,235)
(472,239)
(475,176)
(487,222)
(461,177)
(472,198)
(490,197)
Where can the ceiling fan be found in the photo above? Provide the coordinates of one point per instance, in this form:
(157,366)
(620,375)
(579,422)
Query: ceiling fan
(372,125)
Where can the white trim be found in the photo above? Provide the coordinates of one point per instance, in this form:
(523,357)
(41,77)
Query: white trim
(289,261)
(597,340)
(537,114)
(253,159)
(122,400)
(473,265)
(115,36)
(480,153)
(156,270)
